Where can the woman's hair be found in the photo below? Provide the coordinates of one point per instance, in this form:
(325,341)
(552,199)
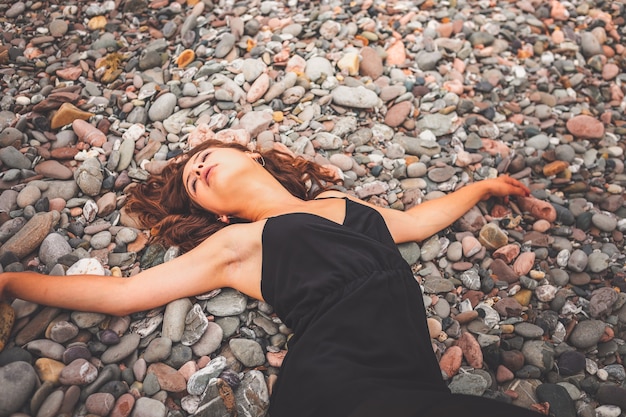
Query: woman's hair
(162,204)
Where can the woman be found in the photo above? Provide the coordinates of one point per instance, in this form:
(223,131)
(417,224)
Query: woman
(329,265)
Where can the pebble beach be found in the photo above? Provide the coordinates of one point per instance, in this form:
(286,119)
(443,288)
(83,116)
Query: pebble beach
(406,100)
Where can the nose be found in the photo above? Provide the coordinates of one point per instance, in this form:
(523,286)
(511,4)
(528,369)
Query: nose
(198,169)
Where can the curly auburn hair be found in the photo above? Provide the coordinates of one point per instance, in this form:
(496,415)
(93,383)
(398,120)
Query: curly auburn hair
(162,204)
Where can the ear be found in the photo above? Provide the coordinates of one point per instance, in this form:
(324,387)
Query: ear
(254,155)
(223,218)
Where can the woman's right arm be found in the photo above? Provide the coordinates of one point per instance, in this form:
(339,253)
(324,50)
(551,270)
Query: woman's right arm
(207,267)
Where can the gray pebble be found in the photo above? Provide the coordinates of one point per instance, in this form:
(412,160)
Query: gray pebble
(174,319)
(162,108)
(128,344)
(148,407)
(248,352)
(228,302)
(158,350)
(587,334)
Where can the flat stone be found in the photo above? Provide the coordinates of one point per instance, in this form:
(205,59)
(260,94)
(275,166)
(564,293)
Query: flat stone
(18,380)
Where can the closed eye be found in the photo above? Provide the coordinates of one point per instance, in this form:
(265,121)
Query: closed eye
(194,180)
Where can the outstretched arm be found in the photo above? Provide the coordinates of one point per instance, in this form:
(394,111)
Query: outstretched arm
(201,270)
(428,218)
(432,216)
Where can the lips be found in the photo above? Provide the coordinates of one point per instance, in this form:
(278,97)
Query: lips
(207,173)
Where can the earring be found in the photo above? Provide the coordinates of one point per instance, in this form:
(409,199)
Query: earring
(223,218)
(261,160)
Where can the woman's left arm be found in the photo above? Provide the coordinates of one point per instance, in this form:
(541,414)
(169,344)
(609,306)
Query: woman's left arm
(425,219)
(430,217)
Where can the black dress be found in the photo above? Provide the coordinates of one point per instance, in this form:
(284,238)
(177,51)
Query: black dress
(360,345)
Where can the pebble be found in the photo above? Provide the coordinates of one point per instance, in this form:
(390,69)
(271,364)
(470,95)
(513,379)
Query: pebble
(18,381)
(587,334)
(248,352)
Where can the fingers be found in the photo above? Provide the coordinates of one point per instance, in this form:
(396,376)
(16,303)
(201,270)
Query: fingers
(516,187)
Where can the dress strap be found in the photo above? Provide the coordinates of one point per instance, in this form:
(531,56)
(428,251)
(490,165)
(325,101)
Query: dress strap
(331,196)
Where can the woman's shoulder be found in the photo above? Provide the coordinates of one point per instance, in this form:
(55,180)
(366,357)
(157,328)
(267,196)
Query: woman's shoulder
(332,194)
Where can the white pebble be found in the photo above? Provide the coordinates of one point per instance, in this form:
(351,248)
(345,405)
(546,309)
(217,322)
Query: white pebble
(602,375)
(591,366)
(22,101)
(89,266)
(608,411)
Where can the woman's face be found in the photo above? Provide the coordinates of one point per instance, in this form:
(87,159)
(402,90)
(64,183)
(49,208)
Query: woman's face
(212,175)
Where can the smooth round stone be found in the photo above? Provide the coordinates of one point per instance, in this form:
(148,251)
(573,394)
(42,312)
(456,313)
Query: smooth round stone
(53,247)
(604,222)
(228,302)
(58,27)
(51,405)
(528,330)
(159,349)
(14,354)
(63,331)
(9,136)
(248,352)
(163,107)
(316,66)
(28,196)
(357,97)
(442,174)
(558,398)
(539,142)
(53,169)
(442,308)
(85,320)
(151,385)
(229,325)
(79,372)
(169,379)
(571,362)
(559,277)
(455,251)
(89,266)
(108,337)
(18,380)
(252,68)
(577,261)
(341,161)
(210,340)
(128,344)
(46,348)
(100,403)
(579,279)
(148,407)
(608,411)
(13,158)
(225,45)
(101,240)
(75,352)
(587,334)
(174,319)
(469,384)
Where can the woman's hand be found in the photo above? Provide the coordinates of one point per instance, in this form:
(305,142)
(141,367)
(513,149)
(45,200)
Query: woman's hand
(503,186)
